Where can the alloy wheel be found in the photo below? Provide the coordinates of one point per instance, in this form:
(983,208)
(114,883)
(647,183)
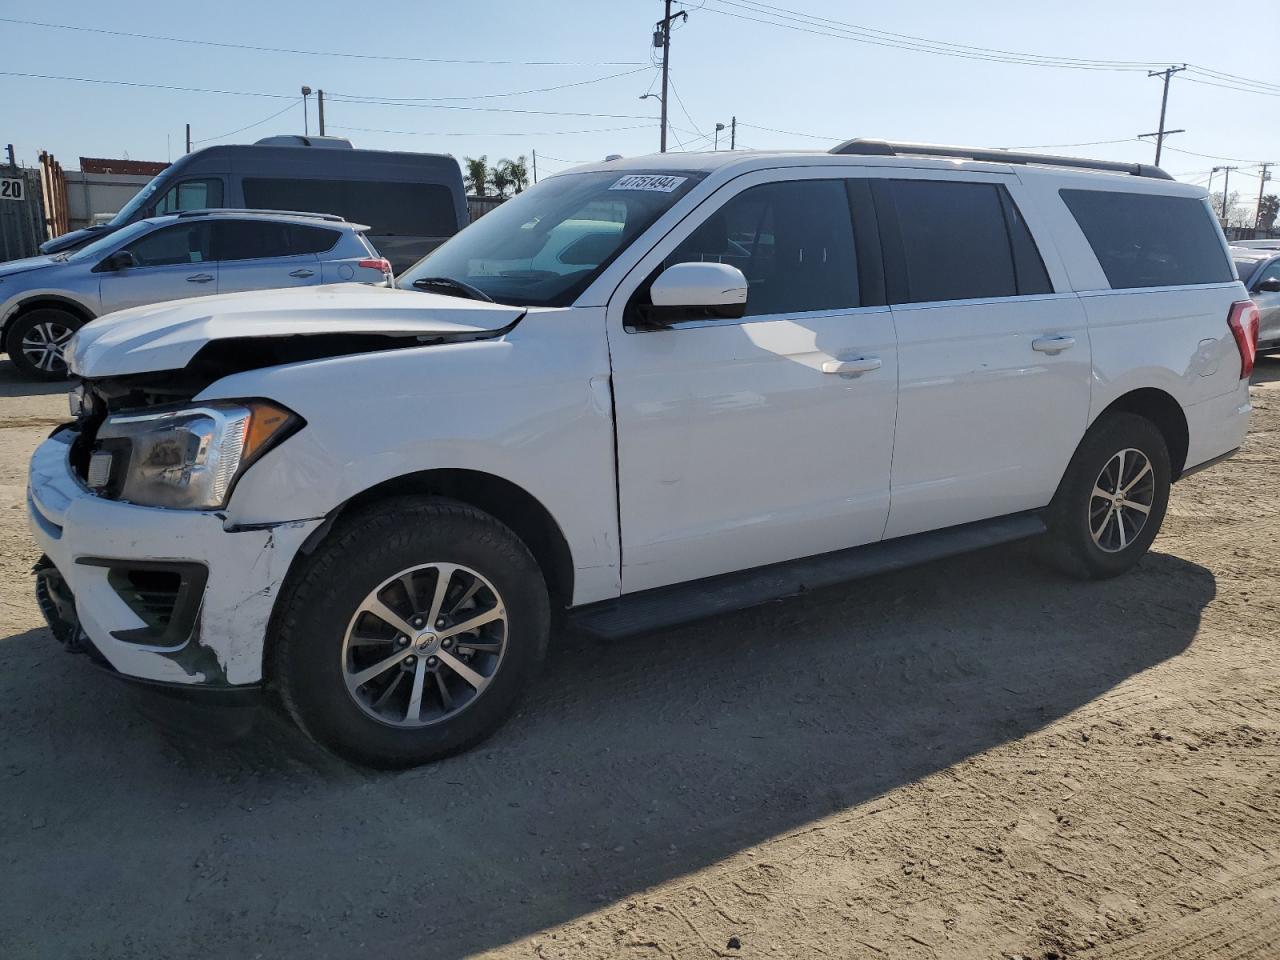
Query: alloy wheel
(44,345)
(424,644)
(1121,500)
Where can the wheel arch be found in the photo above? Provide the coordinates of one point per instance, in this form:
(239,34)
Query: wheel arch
(43,301)
(1165,412)
(527,517)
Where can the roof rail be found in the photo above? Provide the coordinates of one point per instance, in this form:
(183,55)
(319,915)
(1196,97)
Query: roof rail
(276,213)
(888,148)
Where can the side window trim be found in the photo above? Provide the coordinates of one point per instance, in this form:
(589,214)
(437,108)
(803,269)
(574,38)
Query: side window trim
(867,240)
(1013,220)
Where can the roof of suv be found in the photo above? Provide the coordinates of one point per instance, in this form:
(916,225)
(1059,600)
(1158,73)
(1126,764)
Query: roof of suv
(726,163)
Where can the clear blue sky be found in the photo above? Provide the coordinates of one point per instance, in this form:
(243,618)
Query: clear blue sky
(722,64)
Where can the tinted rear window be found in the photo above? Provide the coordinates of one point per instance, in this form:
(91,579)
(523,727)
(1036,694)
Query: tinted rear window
(390,209)
(964,241)
(1148,240)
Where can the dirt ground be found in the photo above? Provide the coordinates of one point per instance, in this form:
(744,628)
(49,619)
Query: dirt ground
(975,758)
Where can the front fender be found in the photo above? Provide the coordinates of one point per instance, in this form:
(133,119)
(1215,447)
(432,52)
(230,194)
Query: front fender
(533,408)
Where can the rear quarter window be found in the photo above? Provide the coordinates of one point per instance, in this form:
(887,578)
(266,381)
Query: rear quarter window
(1149,240)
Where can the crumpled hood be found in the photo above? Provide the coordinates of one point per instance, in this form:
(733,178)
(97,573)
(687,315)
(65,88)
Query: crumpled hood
(10,267)
(166,336)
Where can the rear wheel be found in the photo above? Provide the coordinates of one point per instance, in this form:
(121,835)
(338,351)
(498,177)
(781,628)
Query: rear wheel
(37,342)
(1112,499)
(411,633)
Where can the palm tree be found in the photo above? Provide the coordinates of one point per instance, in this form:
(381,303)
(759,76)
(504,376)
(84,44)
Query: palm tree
(518,171)
(500,178)
(477,177)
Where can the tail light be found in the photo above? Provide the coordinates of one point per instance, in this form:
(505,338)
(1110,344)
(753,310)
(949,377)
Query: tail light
(377,263)
(1243,321)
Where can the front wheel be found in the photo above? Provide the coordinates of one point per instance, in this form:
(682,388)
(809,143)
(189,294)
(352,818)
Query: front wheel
(411,632)
(1112,499)
(37,343)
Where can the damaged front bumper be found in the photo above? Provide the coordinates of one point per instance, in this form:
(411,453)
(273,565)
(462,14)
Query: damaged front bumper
(176,598)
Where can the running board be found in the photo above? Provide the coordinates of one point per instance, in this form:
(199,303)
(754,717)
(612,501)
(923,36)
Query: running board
(664,607)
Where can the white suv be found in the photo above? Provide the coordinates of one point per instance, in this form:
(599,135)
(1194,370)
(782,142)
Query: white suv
(641,392)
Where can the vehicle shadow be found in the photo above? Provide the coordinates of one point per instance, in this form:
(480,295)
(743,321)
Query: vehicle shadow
(632,763)
(1266,370)
(12,384)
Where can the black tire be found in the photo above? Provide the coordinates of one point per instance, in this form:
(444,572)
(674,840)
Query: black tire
(39,326)
(1076,511)
(368,548)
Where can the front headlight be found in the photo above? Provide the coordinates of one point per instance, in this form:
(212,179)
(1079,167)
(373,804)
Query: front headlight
(187,458)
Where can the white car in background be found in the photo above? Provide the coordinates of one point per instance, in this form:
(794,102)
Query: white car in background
(751,375)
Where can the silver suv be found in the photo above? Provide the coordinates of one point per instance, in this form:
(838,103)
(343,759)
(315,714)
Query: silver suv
(44,300)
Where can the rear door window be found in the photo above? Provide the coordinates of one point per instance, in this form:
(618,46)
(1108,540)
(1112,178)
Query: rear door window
(388,208)
(251,239)
(792,240)
(1150,240)
(961,241)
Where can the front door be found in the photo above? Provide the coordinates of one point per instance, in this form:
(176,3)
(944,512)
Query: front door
(993,366)
(747,442)
(170,263)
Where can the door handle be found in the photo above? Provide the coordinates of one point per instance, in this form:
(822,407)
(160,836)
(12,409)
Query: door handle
(200,278)
(1052,345)
(303,273)
(854,367)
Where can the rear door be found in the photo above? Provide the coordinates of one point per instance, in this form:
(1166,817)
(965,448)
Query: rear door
(993,364)
(171,263)
(262,255)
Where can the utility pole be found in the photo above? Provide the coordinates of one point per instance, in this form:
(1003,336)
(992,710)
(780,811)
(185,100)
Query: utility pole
(1226,183)
(535,166)
(733,132)
(1257,216)
(320,103)
(188,138)
(1167,74)
(662,38)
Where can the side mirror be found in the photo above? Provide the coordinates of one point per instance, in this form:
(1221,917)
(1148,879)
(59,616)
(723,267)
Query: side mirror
(1269,285)
(120,260)
(696,291)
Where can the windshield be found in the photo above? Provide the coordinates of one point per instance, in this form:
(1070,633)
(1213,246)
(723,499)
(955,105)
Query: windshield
(545,246)
(116,240)
(139,200)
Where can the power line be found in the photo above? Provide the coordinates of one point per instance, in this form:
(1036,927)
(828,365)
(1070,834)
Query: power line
(319,53)
(249,126)
(290,96)
(152,86)
(337,98)
(758,6)
(918,46)
(495,96)
(772,15)
(483,133)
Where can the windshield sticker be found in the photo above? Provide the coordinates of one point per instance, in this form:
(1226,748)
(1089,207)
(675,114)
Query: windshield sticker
(649,181)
